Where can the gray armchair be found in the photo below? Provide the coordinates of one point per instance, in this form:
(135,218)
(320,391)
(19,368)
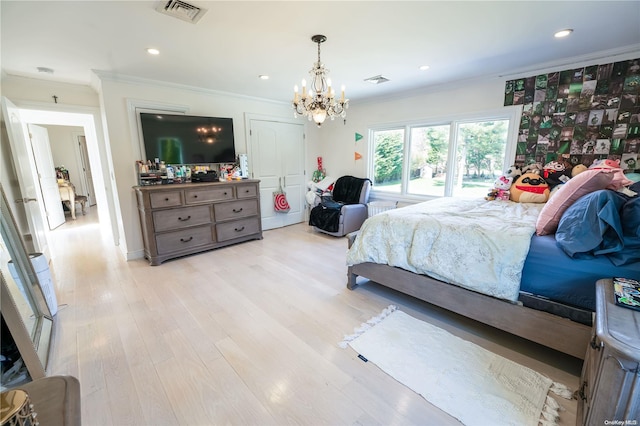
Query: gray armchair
(350,197)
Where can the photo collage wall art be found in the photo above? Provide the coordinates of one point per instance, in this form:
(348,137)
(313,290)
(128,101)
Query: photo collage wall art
(579,115)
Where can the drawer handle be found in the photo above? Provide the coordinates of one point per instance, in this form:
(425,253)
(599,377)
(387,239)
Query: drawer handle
(246,191)
(185,219)
(195,196)
(237,210)
(225,193)
(187,240)
(622,366)
(582,392)
(166,199)
(594,343)
(239,229)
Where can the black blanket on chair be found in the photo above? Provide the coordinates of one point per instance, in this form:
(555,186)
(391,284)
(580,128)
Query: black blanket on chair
(324,218)
(326,215)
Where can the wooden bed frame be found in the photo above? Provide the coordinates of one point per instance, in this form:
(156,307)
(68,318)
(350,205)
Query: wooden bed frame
(550,330)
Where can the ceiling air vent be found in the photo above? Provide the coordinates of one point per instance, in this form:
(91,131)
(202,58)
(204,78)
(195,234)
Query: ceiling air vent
(181,10)
(376,80)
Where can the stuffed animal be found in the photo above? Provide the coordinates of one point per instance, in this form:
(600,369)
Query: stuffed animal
(555,173)
(532,168)
(605,164)
(620,181)
(530,188)
(577,169)
(500,189)
(514,171)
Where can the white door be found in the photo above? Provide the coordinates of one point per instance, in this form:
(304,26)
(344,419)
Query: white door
(46,175)
(27,177)
(86,168)
(277,157)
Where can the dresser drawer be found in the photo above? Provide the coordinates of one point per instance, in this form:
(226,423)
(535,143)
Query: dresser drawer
(226,211)
(238,228)
(206,195)
(165,220)
(184,239)
(247,191)
(165,199)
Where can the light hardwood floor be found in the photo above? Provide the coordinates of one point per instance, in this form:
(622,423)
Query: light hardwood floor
(243,335)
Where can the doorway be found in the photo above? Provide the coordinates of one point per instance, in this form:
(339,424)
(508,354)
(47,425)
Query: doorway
(88,119)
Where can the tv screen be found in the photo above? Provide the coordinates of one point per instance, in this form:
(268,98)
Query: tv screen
(187,139)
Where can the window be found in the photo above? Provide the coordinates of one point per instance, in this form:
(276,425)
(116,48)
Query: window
(461,158)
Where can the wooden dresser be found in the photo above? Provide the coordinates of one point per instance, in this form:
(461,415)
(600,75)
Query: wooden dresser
(610,382)
(182,219)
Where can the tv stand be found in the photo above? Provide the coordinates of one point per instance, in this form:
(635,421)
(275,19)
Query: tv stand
(182,219)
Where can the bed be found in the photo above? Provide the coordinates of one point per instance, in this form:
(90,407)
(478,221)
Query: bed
(482,259)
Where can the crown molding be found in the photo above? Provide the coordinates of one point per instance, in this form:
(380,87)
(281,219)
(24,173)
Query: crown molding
(618,54)
(122,78)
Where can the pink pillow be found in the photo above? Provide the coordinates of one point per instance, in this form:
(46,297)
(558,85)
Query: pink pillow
(619,180)
(584,183)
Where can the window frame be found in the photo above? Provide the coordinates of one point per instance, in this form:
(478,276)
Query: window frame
(511,114)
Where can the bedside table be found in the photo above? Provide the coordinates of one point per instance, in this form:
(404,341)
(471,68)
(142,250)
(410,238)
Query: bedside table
(610,381)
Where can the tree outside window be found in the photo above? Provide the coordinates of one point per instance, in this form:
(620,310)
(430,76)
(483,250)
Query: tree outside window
(414,160)
(389,153)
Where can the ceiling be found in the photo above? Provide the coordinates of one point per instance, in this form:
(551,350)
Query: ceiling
(236,41)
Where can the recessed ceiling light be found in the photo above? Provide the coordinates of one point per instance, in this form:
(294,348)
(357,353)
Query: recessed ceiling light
(152,51)
(263,77)
(563,33)
(424,67)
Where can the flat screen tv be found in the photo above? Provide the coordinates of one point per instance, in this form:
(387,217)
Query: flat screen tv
(187,139)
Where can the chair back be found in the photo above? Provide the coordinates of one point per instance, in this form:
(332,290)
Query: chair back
(351,190)
(364,193)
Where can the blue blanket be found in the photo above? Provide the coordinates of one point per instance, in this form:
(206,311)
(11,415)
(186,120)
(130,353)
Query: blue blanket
(602,223)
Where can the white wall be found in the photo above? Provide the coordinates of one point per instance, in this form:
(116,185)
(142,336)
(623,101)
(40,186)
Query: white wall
(31,89)
(124,145)
(338,139)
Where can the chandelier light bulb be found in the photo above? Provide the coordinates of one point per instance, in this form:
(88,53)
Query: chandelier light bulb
(319,115)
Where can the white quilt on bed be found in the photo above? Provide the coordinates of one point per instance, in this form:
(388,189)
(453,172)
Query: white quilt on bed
(477,244)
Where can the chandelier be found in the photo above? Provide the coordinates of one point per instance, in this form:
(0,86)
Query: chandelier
(319,102)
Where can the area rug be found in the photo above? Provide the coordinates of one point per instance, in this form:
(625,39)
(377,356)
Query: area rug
(468,382)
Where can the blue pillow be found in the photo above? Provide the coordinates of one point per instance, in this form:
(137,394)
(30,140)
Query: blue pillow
(592,226)
(630,219)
